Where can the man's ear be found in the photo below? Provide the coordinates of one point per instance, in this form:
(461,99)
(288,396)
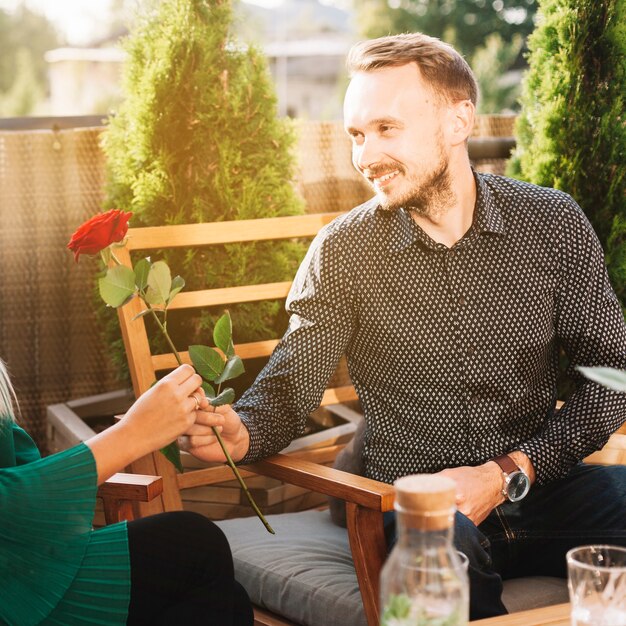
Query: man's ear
(462,114)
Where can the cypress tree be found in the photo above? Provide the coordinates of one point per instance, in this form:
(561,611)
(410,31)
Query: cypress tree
(571,133)
(197,139)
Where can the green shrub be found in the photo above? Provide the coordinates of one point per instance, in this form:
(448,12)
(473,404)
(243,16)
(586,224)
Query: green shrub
(571,133)
(197,139)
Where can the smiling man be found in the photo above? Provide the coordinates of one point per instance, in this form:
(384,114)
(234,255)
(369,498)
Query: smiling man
(450,293)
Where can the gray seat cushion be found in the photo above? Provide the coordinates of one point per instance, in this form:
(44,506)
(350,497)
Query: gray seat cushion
(522,594)
(305,571)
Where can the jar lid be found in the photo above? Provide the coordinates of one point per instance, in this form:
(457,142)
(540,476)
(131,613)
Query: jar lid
(426,496)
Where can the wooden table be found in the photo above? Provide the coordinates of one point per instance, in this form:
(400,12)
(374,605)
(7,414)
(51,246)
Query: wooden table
(555,615)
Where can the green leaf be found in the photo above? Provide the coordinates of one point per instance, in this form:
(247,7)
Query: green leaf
(172,453)
(234,367)
(142,269)
(208,390)
(226,397)
(117,286)
(207,361)
(223,335)
(159,283)
(177,284)
(609,377)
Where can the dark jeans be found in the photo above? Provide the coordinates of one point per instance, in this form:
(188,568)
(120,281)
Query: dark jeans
(182,573)
(531,537)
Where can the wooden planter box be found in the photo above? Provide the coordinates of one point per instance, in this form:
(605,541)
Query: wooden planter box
(71,422)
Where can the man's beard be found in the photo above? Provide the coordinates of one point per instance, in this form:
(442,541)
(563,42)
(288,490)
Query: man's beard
(430,195)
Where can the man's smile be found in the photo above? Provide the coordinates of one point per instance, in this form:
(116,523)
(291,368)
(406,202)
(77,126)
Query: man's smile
(383,180)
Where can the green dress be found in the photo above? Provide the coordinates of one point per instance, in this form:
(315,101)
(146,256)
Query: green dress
(54,568)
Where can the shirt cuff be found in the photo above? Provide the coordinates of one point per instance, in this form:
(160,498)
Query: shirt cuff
(547,460)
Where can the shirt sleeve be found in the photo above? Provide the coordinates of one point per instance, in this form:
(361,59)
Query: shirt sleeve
(321,323)
(46,511)
(590,326)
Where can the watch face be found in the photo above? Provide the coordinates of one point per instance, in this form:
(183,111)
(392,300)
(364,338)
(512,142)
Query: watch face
(518,486)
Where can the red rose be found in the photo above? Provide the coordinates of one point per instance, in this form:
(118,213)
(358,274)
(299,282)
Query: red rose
(99,232)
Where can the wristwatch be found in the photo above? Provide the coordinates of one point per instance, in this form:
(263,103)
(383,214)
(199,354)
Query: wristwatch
(516,481)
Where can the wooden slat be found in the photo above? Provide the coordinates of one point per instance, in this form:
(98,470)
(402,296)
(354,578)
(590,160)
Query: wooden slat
(262,617)
(337,395)
(252,350)
(230,295)
(319,455)
(613,453)
(209,476)
(194,235)
(136,343)
(555,615)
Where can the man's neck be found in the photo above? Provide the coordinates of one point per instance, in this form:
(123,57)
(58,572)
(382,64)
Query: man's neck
(448,224)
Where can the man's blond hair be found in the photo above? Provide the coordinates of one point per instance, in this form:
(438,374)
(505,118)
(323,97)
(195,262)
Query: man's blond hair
(441,66)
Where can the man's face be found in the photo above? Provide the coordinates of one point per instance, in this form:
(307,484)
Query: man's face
(395,122)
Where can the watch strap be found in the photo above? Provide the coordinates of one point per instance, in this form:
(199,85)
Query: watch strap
(506,463)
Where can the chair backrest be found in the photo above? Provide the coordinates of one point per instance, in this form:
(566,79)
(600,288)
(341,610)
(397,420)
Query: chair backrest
(144,366)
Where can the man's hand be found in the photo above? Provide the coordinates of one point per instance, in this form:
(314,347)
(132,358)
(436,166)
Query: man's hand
(478,489)
(203,443)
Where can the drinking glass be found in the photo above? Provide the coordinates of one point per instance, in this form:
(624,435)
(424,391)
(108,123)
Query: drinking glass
(597,585)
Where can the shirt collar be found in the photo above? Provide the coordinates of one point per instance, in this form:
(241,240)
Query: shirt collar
(487,214)
(404,232)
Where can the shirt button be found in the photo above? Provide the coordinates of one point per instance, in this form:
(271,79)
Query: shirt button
(471,351)
(462,301)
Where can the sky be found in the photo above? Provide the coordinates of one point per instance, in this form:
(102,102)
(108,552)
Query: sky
(78,20)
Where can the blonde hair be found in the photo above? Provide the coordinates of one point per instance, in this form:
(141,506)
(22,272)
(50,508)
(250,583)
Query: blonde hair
(445,70)
(8,399)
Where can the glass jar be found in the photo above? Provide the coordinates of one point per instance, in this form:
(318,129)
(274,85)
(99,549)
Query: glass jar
(423,582)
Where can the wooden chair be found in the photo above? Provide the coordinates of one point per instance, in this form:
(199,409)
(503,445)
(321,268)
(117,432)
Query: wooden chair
(366,499)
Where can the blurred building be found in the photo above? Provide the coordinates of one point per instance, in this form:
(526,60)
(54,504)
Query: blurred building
(84,80)
(305,42)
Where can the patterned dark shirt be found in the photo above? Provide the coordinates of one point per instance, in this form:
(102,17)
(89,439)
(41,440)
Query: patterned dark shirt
(453,351)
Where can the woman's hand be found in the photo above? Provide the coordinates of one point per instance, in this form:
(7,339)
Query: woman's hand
(157,418)
(167,409)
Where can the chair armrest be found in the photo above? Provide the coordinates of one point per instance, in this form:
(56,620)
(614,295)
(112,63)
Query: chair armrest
(366,500)
(122,490)
(135,487)
(365,492)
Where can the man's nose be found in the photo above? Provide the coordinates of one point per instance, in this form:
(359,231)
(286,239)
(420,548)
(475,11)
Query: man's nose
(366,154)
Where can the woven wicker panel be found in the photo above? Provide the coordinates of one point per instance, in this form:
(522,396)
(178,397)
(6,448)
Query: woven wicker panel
(494,125)
(49,183)
(325,176)
(327,180)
